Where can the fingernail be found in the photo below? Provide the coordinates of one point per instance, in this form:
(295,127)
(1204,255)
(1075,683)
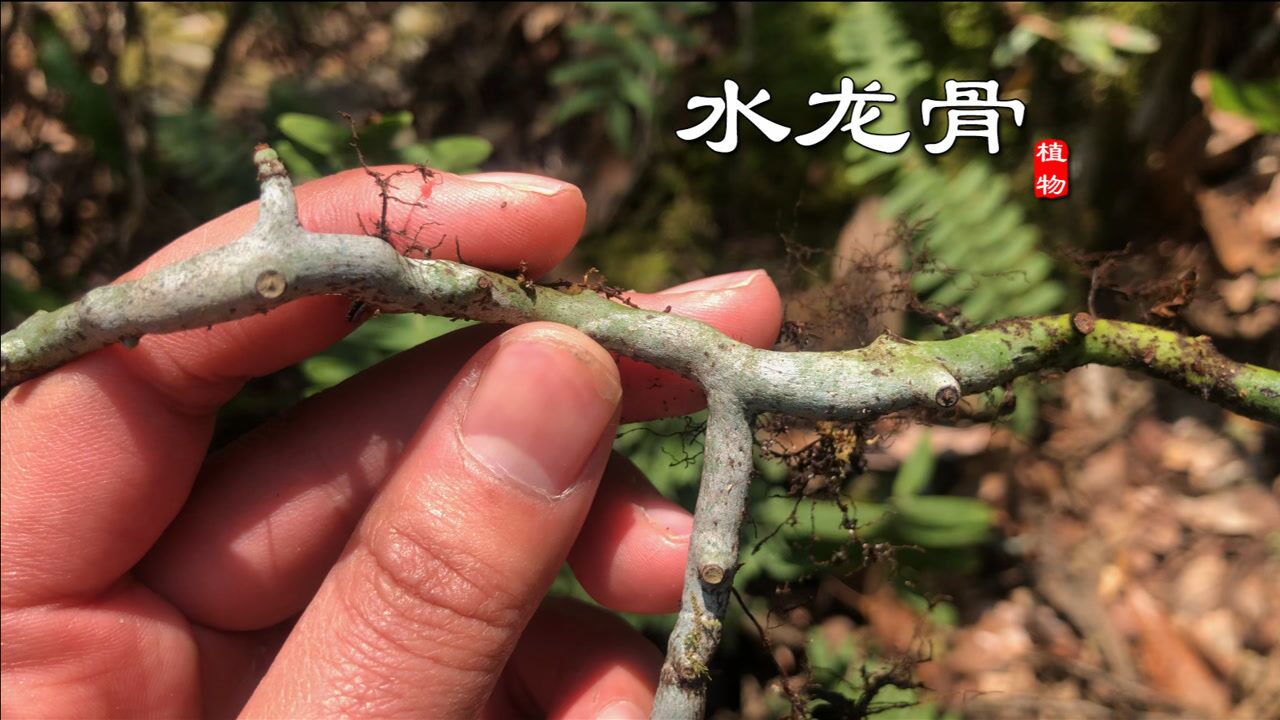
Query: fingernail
(540,409)
(622,710)
(523,181)
(729,281)
(675,525)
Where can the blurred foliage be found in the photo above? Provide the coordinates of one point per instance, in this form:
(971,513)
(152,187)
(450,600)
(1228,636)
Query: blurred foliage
(374,341)
(982,252)
(204,149)
(1099,42)
(620,59)
(92,115)
(1258,101)
(789,539)
(314,147)
(832,535)
(21,303)
(696,212)
(843,670)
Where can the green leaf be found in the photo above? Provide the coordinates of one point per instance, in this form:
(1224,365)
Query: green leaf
(203,148)
(299,166)
(638,93)
(313,133)
(819,520)
(1130,38)
(378,138)
(1013,46)
(18,303)
(1258,100)
(325,371)
(371,343)
(606,36)
(394,333)
(1022,277)
(390,122)
(643,14)
(774,560)
(1041,299)
(942,511)
(1016,240)
(666,452)
(910,191)
(578,103)
(618,124)
(981,304)
(939,521)
(953,290)
(831,657)
(772,470)
(584,71)
(917,470)
(1026,408)
(869,167)
(936,538)
(869,37)
(89,111)
(1087,39)
(451,153)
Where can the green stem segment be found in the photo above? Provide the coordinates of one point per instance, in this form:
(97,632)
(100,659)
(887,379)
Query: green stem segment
(998,353)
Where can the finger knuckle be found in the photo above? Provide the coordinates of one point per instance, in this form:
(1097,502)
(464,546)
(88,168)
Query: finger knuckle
(441,591)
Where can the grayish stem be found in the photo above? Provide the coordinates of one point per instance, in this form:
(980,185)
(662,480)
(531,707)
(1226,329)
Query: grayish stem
(713,560)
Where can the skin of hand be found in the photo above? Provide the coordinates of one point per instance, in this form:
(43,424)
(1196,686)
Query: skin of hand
(384,548)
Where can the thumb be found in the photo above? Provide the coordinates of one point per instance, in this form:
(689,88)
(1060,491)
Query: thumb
(420,614)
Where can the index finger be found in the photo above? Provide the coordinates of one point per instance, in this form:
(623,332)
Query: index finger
(98,456)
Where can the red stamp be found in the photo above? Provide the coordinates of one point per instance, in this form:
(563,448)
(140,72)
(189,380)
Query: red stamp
(1052,163)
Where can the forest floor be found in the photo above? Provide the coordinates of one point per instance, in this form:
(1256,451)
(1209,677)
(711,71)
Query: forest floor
(1137,573)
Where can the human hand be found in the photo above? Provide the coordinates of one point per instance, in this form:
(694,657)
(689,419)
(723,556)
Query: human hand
(383,549)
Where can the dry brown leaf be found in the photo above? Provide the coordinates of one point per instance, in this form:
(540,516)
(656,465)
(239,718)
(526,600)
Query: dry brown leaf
(996,644)
(1230,130)
(1236,231)
(1201,583)
(1210,461)
(1246,510)
(1216,635)
(894,625)
(1169,662)
(943,440)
